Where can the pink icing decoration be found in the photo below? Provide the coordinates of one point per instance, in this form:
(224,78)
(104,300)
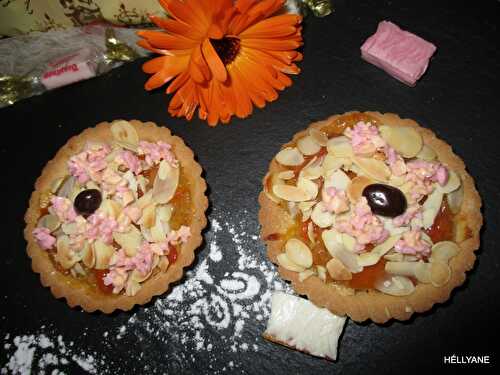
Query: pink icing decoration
(423,174)
(87,164)
(101,226)
(131,161)
(363,226)
(441,175)
(155,152)
(43,237)
(116,277)
(395,161)
(412,244)
(403,55)
(142,261)
(365,138)
(180,235)
(335,200)
(63,209)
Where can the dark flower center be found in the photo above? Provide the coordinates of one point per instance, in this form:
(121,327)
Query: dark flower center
(227,48)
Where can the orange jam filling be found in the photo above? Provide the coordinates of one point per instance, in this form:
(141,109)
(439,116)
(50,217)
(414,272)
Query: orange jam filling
(442,229)
(366,279)
(337,126)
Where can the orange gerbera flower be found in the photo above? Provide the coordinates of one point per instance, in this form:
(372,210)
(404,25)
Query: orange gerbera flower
(222,57)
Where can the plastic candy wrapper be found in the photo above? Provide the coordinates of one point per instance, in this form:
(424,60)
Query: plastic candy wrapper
(37,62)
(319,8)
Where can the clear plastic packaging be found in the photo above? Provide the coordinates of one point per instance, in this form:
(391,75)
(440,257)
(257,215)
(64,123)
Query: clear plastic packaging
(34,63)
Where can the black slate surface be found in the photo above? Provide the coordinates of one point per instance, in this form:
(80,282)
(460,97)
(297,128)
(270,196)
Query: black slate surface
(457,98)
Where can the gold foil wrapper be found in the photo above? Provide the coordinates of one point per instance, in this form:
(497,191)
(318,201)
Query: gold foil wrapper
(116,50)
(15,88)
(320,8)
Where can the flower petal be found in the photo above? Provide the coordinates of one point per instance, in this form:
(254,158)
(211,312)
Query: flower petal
(214,62)
(163,40)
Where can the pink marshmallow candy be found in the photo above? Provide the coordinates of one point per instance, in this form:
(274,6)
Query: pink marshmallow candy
(403,55)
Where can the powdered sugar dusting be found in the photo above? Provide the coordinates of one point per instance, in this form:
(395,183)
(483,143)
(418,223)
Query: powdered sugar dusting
(219,307)
(214,307)
(40,354)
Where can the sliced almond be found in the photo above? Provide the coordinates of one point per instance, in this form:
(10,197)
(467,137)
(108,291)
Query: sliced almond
(56,184)
(337,250)
(405,140)
(394,257)
(321,217)
(372,257)
(157,231)
(132,288)
(269,183)
(148,218)
(64,255)
(440,274)
(321,272)
(373,168)
(290,193)
(310,187)
(340,147)
(163,170)
(111,208)
(69,228)
(332,163)
(164,212)
(130,241)
(418,270)
(395,286)
(310,233)
(49,221)
(431,208)
(397,181)
(308,146)
(286,263)
(319,137)
(312,170)
(292,209)
(443,251)
(166,183)
(349,242)
(145,200)
(290,156)
(304,206)
(427,153)
(298,252)
(452,184)
(88,256)
(124,132)
(455,199)
(304,275)
(337,270)
(356,187)
(66,187)
(103,254)
(337,179)
(286,175)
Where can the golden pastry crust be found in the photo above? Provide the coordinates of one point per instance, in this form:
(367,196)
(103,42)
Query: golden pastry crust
(371,304)
(79,293)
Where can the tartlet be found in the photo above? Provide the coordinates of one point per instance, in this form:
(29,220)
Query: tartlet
(371,216)
(116,216)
